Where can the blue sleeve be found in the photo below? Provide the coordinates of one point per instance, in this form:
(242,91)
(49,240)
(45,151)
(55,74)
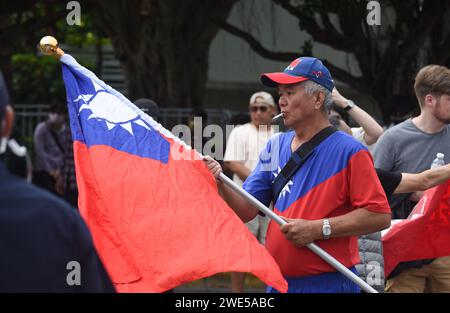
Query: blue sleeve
(259,182)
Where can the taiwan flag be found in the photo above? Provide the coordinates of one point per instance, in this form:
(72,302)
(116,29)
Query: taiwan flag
(151,204)
(425,234)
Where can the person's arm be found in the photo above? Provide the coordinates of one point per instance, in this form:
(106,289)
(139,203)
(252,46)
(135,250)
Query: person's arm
(238,168)
(370,211)
(355,223)
(239,204)
(371,128)
(424,180)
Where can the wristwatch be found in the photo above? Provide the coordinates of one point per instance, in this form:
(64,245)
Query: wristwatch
(350,105)
(326,229)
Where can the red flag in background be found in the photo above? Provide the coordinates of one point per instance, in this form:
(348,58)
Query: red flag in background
(424,235)
(155,213)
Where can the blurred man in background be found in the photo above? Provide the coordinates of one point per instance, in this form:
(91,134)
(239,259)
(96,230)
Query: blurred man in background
(241,156)
(49,149)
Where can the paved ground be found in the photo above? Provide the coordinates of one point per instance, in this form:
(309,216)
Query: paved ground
(221,283)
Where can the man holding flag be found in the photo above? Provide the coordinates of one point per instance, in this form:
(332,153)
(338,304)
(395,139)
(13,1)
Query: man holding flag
(148,199)
(321,190)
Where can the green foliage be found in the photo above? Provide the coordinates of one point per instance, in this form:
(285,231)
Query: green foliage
(81,36)
(38,79)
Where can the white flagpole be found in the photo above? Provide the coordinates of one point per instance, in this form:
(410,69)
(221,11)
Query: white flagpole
(313,247)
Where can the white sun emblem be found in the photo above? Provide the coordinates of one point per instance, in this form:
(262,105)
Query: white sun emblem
(106,107)
(286,188)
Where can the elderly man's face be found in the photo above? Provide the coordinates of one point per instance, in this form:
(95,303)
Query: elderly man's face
(296,105)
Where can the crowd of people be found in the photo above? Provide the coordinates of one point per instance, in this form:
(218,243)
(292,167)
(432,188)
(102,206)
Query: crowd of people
(402,157)
(335,185)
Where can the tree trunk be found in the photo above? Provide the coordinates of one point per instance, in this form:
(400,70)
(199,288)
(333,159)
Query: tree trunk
(163,45)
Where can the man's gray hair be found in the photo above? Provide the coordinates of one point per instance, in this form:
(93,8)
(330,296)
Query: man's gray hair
(312,88)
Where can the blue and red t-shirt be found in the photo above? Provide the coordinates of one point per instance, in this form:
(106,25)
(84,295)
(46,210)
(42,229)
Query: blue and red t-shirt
(337,178)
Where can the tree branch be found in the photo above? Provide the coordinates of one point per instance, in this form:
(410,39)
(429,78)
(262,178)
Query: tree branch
(431,16)
(257,46)
(331,38)
(340,74)
(359,83)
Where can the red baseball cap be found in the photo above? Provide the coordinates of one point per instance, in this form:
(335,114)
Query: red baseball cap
(301,69)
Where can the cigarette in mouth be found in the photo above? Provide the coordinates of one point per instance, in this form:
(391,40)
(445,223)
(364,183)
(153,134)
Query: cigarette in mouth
(277,116)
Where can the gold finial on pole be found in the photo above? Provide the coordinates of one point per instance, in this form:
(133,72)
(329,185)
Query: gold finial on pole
(49,46)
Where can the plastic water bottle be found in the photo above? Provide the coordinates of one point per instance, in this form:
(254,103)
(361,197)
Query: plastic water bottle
(439,161)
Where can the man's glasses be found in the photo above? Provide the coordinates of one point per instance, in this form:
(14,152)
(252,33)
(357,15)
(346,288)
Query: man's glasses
(255,108)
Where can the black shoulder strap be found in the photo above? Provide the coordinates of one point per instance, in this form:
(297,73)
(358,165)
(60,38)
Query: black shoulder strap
(297,159)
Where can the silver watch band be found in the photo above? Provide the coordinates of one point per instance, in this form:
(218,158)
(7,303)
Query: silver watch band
(326,229)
